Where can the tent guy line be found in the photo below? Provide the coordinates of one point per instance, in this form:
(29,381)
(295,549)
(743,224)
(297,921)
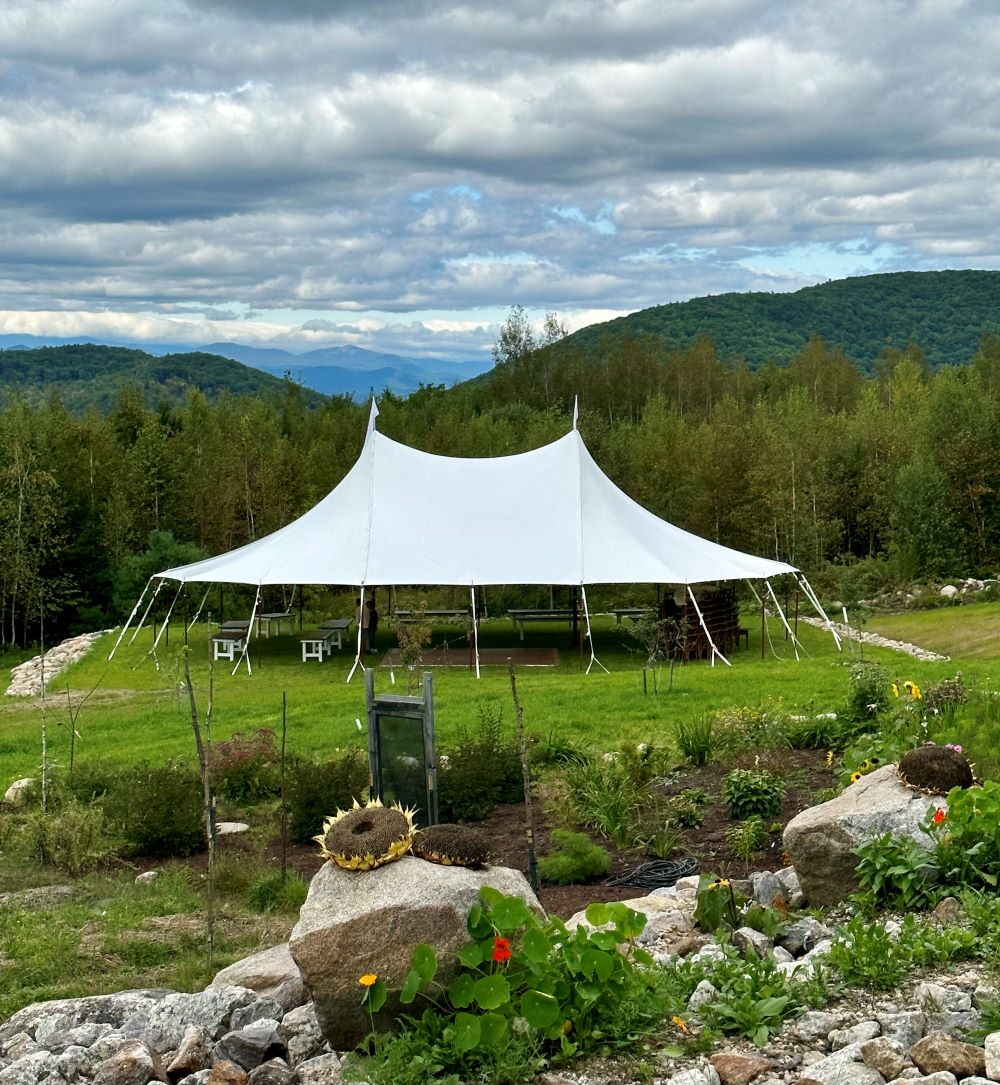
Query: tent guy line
(403,516)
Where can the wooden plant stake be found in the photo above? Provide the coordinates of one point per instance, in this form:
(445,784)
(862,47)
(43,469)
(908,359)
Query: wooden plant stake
(522,747)
(208,808)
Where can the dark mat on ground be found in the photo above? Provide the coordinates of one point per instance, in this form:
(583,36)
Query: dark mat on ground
(488,657)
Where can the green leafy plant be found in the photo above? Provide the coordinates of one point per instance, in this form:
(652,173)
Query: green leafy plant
(896,872)
(157,810)
(752,791)
(756,727)
(867,956)
(521,976)
(576,858)
(718,904)
(869,691)
(686,809)
(481,771)
(277,893)
(748,838)
(754,999)
(967,836)
(697,739)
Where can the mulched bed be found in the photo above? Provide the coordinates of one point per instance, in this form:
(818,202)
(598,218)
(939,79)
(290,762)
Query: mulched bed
(805,773)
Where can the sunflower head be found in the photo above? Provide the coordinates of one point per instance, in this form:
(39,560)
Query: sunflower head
(365,837)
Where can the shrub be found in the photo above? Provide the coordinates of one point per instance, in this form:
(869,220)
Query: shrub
(576,858)
(314,790)
(245,767)
(869,693)
(752,791)
(157,811)
(481,772)
(760,727)
(71,838)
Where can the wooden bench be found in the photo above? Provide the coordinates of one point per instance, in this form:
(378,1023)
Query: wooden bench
(318,645)
(632,612)
(227,645)
(336,629)
(519,617)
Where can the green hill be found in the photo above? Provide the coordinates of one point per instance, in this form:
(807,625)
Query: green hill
(89,374)
(945,312)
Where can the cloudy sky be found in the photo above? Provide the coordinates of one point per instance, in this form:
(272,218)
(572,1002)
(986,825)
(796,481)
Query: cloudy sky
(396,173)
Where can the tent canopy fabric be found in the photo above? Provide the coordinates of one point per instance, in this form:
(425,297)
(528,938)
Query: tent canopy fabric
(548,516)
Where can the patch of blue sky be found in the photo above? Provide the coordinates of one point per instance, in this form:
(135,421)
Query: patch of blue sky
(599,222)
(824,261)
(668,254)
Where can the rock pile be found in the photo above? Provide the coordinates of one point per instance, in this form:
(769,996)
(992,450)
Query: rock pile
(848,632)
(26,678)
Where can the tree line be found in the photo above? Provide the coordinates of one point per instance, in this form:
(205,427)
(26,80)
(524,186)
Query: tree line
(858,480)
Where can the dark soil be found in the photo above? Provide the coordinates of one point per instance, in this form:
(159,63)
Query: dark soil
(805,772)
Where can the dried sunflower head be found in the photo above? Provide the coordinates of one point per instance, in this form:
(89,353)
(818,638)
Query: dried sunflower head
(366,837)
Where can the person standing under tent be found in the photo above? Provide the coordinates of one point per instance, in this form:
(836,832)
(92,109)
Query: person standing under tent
(371,626)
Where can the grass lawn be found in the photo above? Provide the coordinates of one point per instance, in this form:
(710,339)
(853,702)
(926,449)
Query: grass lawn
(139,709)
(967,632)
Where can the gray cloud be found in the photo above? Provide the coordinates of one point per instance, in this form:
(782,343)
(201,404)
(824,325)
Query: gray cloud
(397,158)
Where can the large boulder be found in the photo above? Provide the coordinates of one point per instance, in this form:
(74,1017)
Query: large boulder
(356,923)
(821,839)
(272,973)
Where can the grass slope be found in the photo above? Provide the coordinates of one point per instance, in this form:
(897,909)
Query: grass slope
(965,632)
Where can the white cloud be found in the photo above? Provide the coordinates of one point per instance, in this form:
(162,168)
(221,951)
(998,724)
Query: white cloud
(591,156)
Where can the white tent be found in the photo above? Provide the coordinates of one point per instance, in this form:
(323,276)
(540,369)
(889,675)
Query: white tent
(549,516)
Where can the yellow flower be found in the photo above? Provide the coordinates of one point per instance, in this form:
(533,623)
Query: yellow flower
(895,690)
(917,695)
(680,1023)
(829,757)
(368,979)
(855,776)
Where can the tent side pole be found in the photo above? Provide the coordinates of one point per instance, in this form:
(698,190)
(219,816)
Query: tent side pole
(166,620)
(764,635)
(811,596)
(590,639)
(138,604)
(701,618)
(361,609)
(246,643)
(784,620)
(201,607)
(475,628)
(145,613)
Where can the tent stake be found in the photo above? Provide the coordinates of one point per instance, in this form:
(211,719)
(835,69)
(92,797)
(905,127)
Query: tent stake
(475,628)
(587,634)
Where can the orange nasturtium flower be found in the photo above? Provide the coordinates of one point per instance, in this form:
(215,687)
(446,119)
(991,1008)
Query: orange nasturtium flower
(368,979)
(501,949)
(680,1023)
(939,816)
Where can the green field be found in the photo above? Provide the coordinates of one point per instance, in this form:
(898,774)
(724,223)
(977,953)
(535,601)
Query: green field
(967,632)
(138,708)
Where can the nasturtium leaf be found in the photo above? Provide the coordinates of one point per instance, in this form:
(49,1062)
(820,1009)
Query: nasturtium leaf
(491,992)
(539,1009)
(466,1033)
(604,939)
(509,913)
(460,992)
(424,961)
(490,896)
(536,947)
(473,920)
(471,956)
(492,1029)
(410,987)
(376,996)
(589,992)
(598,914)
(598,964)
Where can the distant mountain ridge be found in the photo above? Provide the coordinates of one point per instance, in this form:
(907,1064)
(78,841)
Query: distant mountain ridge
(342,370)
(945,312)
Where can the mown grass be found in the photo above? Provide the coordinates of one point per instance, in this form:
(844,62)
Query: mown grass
(967,632)
(139,709)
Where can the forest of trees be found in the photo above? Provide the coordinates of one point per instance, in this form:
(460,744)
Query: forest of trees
(856,479)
